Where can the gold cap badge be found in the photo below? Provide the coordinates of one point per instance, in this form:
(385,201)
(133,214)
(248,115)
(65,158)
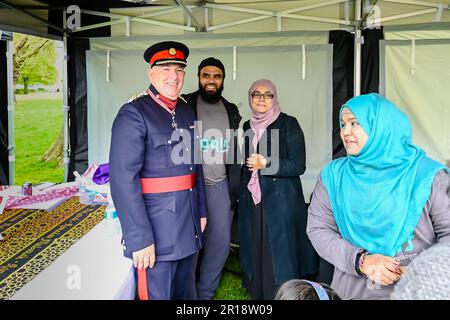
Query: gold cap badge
(172,51)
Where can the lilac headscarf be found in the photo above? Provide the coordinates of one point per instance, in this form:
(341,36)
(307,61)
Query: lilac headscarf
(259,122)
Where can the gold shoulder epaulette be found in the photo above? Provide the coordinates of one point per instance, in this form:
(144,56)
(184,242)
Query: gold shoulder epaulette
(137,96)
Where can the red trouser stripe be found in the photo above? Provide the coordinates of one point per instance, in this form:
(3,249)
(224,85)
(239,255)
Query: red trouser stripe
(142,284)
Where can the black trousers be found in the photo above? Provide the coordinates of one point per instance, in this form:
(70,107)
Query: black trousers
(262,286)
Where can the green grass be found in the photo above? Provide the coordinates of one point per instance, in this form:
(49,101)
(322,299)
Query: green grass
(37,125)
(230,287)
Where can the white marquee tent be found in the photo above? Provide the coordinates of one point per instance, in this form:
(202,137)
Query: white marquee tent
(286,41)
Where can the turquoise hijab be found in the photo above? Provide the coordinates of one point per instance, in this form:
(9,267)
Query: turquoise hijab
(377,196)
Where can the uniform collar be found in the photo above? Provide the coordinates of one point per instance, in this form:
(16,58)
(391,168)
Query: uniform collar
(169,103)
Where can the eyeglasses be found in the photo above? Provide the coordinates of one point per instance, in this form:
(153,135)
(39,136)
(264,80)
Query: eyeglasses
(257,95)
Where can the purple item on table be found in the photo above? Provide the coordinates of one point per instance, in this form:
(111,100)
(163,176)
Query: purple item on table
(101,175)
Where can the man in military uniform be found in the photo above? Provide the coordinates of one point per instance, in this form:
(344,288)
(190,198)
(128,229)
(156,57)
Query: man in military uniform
(222,175)
(160,200)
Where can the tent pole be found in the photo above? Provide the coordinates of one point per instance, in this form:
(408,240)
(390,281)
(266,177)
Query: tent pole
(10,80)
(405,15)
(8,5)
(198,27)
(123,18)
(416,3)
(66,107)
(358,43)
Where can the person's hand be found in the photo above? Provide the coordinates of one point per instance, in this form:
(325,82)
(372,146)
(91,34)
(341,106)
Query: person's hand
(144,258)
(382,269)
(403,270)
(256,162)
(203,222)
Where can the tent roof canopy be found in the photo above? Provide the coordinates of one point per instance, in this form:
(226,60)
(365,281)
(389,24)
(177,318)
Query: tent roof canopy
(178,17)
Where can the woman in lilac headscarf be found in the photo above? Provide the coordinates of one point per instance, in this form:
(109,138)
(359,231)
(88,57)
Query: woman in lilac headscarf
(274,247)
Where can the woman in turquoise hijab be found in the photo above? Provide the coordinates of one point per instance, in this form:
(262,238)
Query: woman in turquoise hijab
(375,210)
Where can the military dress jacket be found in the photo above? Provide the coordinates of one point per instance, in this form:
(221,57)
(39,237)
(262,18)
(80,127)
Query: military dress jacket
(141,147)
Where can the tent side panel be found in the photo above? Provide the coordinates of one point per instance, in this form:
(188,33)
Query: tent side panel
(78,106)
(417,78)
(4,170)
(370,70)
(343,53)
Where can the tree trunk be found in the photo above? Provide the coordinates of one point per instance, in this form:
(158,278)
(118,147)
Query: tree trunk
(56,151)
(25,86)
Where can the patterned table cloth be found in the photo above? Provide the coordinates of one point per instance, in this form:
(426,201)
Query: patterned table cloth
(33,239)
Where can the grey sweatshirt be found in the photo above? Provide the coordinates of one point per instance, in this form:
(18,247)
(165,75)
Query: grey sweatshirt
(433,226)
(215,140)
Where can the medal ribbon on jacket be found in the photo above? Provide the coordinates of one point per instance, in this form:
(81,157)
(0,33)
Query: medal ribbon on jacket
(168,104)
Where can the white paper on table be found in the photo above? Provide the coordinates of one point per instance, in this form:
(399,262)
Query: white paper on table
(39,188)
(48,186)
(47,205)
(4,195)
(12,191)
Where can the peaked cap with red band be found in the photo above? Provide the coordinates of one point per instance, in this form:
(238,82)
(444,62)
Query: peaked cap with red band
(166,52)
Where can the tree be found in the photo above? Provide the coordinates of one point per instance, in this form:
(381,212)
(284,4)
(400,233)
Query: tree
(34,60)
(56,150)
